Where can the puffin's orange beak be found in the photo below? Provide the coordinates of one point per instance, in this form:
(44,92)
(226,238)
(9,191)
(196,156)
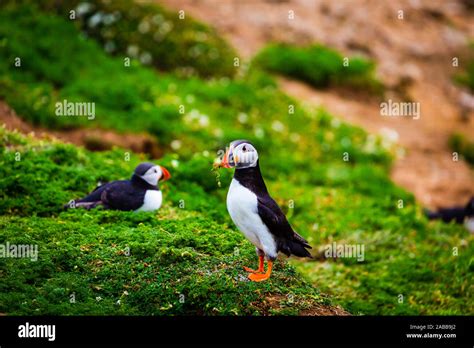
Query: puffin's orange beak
(166,174)
(225,160)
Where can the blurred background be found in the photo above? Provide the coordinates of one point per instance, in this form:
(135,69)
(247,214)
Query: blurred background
(413,51)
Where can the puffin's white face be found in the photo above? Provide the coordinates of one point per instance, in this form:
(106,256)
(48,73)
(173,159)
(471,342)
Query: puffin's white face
(240,155)
(155,174)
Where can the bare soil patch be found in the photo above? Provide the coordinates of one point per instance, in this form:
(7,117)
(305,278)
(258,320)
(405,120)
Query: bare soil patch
(94,139)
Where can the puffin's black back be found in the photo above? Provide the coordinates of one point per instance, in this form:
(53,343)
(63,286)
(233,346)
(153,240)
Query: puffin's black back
(288,241)
(457,214)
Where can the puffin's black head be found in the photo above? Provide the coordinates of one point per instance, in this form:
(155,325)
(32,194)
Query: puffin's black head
(152,173)
(241,154)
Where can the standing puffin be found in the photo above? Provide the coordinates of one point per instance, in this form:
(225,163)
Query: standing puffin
(255,213)
(140,193)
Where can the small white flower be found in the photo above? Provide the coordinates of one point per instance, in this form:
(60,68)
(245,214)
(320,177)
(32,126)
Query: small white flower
(174,163)
(83,8)
(277,126)
(144,27)
(242,278)
(166,27)
(295,137)
(146,58)
(109,19)
(176,144)
(204,120)
(259,132)
(132,50)
(158,19)
(243,117)
(218,133)
(389,135)
(95,20)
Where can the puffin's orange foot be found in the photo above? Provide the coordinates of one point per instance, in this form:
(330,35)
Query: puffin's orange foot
(260,266)
(246,269)
(258,277)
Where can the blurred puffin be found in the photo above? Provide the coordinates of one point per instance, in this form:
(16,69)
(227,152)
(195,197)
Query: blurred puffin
(255,213)
(140,193)
(460,215)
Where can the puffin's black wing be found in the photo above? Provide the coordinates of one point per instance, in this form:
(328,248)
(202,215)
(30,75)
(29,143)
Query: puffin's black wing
(94,196)
(90,201)
(122,195)
(289,242)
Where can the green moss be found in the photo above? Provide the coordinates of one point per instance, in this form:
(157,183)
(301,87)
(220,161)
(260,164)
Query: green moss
(179,261)
(144,31)
(428,265)
(466,77)
(458,143)
(138,99)
(320,66)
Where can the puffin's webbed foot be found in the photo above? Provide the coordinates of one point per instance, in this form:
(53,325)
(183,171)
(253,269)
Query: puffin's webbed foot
(258,277)
(260,266)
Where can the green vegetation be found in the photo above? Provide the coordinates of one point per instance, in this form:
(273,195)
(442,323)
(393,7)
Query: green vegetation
(461,145)
(138,99)
(319,66)
(191,249)
(146,32)
(85,254)
(466,77)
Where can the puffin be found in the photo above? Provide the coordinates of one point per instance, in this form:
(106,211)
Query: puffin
(140,193)
(256,214)
(458,214)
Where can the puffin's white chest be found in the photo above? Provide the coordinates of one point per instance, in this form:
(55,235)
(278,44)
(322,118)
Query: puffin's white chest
(152,200)
(242,206)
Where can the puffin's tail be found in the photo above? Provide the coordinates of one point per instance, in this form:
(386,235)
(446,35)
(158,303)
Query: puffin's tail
(298,246)
(78,204)
(90,201)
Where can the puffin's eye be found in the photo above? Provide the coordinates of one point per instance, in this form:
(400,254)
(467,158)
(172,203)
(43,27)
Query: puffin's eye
(244,148)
